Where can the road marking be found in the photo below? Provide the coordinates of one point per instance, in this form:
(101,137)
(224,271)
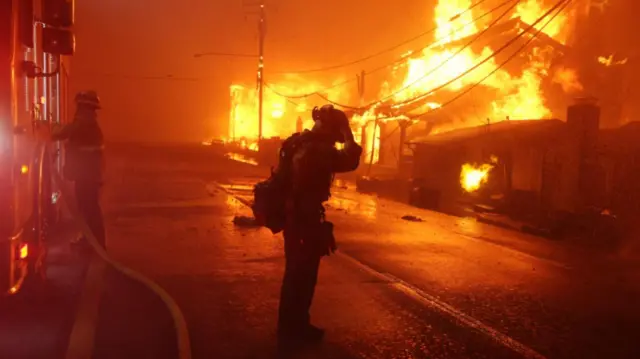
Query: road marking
(83,331)
(180,324)
(434,303)
(444,308)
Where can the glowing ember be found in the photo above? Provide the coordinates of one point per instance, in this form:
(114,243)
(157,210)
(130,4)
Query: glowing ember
(608,61)
(472,177)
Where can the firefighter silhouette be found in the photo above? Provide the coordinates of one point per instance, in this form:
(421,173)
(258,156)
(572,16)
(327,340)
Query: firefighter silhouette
(307,235)
(84,159)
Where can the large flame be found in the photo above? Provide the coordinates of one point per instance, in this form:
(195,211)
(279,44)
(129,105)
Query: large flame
(472,176)
(517,96)
(280,116)
(530,10)
(512,95)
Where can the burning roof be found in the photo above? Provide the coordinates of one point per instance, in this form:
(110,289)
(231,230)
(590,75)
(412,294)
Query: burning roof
(510,129)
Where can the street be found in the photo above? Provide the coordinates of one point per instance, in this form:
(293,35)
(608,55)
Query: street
(432,287)
(483,159)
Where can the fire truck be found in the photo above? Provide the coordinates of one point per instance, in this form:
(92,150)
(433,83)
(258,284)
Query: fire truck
(36,42)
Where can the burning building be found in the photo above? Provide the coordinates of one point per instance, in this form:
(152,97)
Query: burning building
(501,60)
(536,170)
(281,116)
(489,161)
(465,50)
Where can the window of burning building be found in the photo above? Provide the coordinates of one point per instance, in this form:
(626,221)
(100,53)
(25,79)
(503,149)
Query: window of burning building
(484,179)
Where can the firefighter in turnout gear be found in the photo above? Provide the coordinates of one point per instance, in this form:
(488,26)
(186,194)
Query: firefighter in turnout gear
(307,235)
(84,160)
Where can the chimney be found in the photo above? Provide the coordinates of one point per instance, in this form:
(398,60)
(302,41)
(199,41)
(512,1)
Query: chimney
(583,124)
(583,121)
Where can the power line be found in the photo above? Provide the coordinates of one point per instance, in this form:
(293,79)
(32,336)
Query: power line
(421,78)
(226,54)
(353,62)
(395,62)
(501,49)
(560,6)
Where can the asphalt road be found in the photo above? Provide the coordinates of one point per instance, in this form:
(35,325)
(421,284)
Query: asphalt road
(443,287)
(85,309)
(37,324)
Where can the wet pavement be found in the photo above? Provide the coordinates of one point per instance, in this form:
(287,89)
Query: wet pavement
(439,287)
(146,328)
(86,309)
(37,325)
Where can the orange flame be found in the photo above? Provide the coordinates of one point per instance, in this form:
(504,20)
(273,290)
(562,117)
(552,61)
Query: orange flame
(513,96)
(517,97)
(568,79)
(473,177)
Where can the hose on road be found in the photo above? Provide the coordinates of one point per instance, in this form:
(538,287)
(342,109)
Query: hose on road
(180,324)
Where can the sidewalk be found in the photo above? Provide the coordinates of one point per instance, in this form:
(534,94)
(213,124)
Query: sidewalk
(496,228)
(346,199)
(558,251)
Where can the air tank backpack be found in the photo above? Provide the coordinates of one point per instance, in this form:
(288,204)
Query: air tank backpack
(270,195)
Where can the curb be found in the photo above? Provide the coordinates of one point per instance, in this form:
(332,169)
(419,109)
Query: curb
(523,228)
(498,224)
(182,333)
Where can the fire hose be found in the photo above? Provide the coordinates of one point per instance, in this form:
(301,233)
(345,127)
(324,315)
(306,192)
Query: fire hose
(182,333)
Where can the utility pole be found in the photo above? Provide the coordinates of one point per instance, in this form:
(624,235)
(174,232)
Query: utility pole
(261,34)
(360,78)
(260,75)
(363,129)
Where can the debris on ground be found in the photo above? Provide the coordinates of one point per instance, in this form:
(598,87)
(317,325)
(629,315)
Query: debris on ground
(412,218)
(245,221)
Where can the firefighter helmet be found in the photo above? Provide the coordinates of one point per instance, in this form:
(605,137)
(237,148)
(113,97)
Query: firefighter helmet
(331,120)
(329,115)
(88,98)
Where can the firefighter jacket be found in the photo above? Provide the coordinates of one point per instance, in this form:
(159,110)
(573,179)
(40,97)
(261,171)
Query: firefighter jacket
(84,157)
(314,165)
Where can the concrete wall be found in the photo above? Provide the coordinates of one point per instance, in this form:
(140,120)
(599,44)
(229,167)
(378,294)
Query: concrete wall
(580,150)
